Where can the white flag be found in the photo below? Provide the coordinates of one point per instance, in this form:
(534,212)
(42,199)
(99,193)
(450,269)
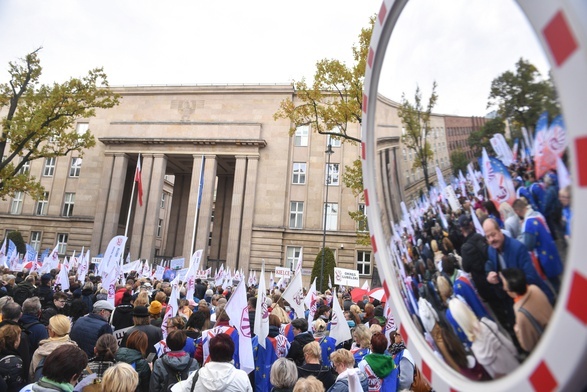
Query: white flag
(237,310)
(63,277)
(390,324)
(172,305)
(294,293)
(339,328)
(478,227)
(271,281)
(51,261)
(219,278)
(310,301)
(110,263)
(329,282)
(261,312)
(564,179)
(190,276)
(366,286)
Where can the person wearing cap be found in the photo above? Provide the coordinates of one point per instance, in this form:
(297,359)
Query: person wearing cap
(155,313)
(140,318)
(45,291)
(89,328)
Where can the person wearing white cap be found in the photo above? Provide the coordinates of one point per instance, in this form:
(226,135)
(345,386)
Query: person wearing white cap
(88,329)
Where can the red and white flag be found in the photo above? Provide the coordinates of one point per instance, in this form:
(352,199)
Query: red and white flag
(139,181)
(238,312)
(261,311)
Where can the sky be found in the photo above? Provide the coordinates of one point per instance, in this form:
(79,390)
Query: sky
(459,43)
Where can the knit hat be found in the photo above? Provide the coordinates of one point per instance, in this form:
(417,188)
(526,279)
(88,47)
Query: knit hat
(155,308)
(46,278)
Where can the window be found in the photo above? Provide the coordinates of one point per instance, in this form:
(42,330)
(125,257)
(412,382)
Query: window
(301,136)
(49,168)
(364,262)
(332,174)
(62,243)
(42,204)
(35,240)
(334,141)
(68,203)
(25,168)
(16,205)
(162,205)
(299,173)
(76,167)
(292,256)
(331,216)
(296,214)
(82,128)
(362,224)
(159,227)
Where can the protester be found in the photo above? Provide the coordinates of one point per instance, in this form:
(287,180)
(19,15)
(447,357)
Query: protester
(134,354)
(362,342)
(177,361)
(284,375)
(140,317)
(343,363)
(301,337)
(310,384)
(120,378)
(314,367)
(88,329)
(105,352)
(11,364)
(403,361)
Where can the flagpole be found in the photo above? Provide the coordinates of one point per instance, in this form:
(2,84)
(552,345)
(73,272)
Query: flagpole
(200,187)
(132,195)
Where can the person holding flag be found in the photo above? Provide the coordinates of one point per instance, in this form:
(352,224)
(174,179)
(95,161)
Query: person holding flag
(276,346)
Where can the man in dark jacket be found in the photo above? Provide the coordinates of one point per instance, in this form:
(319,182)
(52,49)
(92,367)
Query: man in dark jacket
(140,316)
(301,337)
(88,329)
(11,313)
(44,291)
(58,305)
(29,321)
(122,315)
(200,290)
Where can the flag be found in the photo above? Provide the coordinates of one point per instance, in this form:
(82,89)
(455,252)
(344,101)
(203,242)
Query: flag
(366,286)
(564,179)
(172,305)
(31,253)
(557,136)
(139,181)
(50,261)
(390,323)
(294,293)
(63,277)
(110,263)
(477,224)
(310,302)
(339,328)
(498,180)
(261,312)
(271,281)
(476,188)
(329,282)
(219,278)
(237,310)
(463,184)
(83,267)
(190,276)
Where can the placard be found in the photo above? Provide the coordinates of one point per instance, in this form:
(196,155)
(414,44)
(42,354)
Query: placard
(452,198)
(119,334)
(346,277)
(176,264)
(182,273)
(282,272)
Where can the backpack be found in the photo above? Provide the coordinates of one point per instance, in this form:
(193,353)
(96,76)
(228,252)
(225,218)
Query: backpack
(174,376)
(39,370)
(21,293)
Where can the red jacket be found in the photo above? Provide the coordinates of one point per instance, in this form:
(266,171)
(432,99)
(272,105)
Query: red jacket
(118,296)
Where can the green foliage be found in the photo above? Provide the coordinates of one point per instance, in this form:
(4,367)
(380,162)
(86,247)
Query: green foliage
(40,120)
(481,139)
(16,237)
(416,121)
(329,264)
(523,95)
(458,161)
(335,98)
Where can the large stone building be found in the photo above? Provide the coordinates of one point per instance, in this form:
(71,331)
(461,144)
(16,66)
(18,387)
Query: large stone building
(263,192)
(458,130)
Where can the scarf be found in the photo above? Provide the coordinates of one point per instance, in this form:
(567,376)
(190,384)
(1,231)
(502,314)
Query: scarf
(397,347)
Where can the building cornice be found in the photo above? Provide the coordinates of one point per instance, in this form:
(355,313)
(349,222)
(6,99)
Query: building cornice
(172,141)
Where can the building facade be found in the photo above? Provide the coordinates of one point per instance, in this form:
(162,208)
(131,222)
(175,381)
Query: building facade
(458,130)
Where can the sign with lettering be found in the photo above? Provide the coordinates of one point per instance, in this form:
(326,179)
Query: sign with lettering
(452,198)
(282,272)
(346,277)
(176,264)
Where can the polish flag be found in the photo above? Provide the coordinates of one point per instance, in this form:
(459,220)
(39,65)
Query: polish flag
(139,181)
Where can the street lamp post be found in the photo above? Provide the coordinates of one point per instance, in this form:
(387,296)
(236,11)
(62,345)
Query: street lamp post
(328,152)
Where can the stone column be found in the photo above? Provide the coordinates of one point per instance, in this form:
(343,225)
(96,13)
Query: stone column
(191,208)
(152,202)
(177,215)
(236,213)
(248,212)
(206,206)
(109,201)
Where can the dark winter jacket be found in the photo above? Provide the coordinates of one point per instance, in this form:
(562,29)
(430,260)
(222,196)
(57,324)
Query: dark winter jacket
(45,294)
(88,298)
(135,358)
(296,351)
(176,360)
(87,330)
(36,331)
(122,317)
(11,371)
(321,372)
(154,335)
(23,351)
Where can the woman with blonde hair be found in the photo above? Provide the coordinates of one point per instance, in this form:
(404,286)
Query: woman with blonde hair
(343,363)
(437,255)
(59,328)
(120,378)
(362,342)
(142,299)
(310,384)
(281,313)
(493,350)
(355,313)
(313,367)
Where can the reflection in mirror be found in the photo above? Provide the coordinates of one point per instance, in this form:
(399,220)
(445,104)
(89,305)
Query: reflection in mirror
(470,169)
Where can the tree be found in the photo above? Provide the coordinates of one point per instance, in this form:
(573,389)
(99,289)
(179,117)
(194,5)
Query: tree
(523,95)
(39,120)
(329,264)
(16,237)
(353,179)
(481,139)
(330,104)
(416,121)
(458,161)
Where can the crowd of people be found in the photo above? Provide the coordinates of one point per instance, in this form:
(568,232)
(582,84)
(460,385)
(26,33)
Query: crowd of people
(480,282)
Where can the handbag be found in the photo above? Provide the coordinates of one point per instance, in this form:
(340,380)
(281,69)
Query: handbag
(420,384)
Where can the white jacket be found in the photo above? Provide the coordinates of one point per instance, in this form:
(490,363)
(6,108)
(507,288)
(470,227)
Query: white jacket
(216,377)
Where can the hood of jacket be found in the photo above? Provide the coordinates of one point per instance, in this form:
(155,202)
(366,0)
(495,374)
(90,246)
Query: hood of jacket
(124,308)
(304,338)
(47,346)
(216,376)
(273,331)
(128,355)
(177,360)
(381,364)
